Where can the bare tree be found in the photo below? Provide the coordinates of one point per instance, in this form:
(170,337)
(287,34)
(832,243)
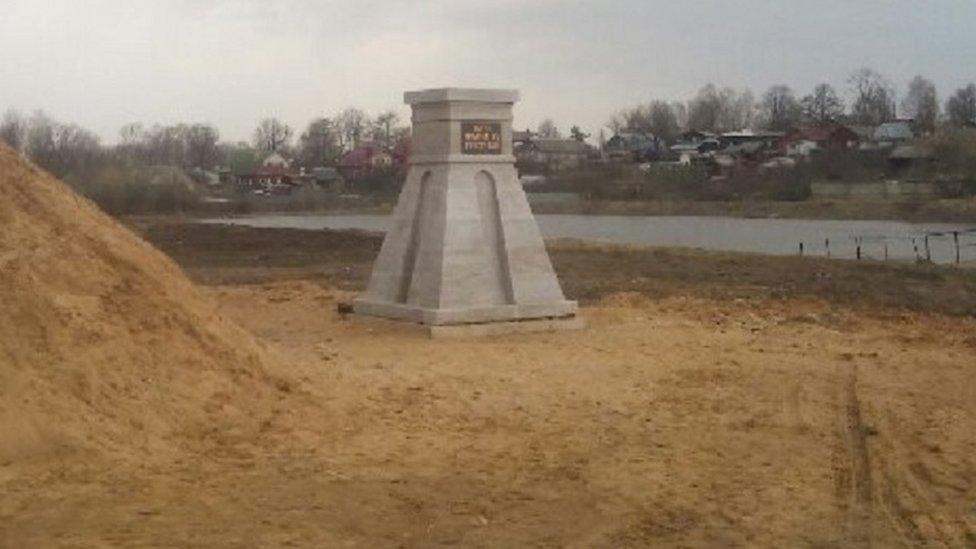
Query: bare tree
(780,108)
(874,98)
(185,145)
(921,103)
(200,142)
(13,129)
(131,134)
(61,148)
(272,134)
(165,145)
(705,109)
(961,107)
(132,143)
(738,109)
(657,117)
(40,143)
(637,119)
(662,120)
(716,110)
(319,144)
(79,149)
(823,106)
(680,111)
(385,127)
(352,124)
(547,128)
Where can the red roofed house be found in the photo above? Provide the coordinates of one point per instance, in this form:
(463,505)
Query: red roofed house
(401,151)
(804,141)
(364,159)
(274,175)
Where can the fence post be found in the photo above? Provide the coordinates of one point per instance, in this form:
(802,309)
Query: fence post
(886,251)
(928,251)
(955,239)
(827,246)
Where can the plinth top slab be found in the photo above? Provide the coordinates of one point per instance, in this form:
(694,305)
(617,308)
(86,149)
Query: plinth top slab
(476,95)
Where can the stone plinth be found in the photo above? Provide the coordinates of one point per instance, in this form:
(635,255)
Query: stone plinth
(463,246)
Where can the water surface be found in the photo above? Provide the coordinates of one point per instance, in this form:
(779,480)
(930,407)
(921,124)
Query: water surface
(901,240)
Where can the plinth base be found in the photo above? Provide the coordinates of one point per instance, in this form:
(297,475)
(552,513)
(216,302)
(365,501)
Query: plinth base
(468,315)
(488,329)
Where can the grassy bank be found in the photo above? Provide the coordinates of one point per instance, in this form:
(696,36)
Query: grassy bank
(221,254)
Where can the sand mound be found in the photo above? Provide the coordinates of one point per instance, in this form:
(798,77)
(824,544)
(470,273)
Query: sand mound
(104,344)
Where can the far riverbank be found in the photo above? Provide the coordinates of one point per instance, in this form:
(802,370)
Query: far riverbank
(907,210)
(914,211)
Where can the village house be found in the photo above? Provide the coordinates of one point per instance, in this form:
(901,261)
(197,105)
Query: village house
(911,160)
(401,153)
(894,133)
(696,137)
(865,134)
(768,139)
(885,136)
(552,154)
(752,151)
(274,176)
(634,146)
(365,159)
(522,137)
(808,140)
(691,149)
(324,177)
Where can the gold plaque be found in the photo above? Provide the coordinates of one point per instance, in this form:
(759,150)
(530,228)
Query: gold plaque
(481,138)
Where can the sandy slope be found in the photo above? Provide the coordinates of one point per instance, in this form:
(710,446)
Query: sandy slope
(104,345)
(681,422)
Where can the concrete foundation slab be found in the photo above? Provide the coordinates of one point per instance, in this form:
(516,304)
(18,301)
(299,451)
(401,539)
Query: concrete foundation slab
(459,331)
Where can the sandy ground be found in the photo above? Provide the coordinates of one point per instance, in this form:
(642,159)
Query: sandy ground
(682,422)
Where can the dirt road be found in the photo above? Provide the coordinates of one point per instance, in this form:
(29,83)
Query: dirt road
(672,422)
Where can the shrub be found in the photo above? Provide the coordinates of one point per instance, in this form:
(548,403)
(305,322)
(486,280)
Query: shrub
(125,190)
(955,156)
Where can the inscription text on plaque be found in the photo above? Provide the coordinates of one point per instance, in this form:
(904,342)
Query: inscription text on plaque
(481,138)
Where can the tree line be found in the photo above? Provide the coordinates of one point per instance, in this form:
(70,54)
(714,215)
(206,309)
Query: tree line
(152,168)
(63,148)
(872,102)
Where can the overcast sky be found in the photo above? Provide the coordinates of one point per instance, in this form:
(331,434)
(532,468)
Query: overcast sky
(104,63)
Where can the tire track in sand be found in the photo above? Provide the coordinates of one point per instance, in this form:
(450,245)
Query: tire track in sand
(854,485)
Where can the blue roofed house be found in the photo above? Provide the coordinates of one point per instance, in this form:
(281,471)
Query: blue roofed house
(552,154)
(892,134)
(636,146)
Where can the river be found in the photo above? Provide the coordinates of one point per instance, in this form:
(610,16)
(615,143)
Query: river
(899,240)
